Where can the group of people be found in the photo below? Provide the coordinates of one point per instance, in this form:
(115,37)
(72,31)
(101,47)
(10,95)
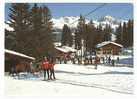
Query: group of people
(48,68)
(48,64)
(109,60)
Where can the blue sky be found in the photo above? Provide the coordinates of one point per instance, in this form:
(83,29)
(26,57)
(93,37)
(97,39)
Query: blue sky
(118,10)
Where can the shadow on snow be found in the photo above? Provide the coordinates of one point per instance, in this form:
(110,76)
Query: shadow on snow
(78,73)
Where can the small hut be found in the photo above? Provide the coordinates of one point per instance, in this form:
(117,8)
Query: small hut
(65,51)
(17,61)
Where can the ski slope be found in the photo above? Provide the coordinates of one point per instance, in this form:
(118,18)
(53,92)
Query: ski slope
(75,80)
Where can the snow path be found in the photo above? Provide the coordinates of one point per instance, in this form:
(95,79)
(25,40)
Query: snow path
(76,80)
(117,79)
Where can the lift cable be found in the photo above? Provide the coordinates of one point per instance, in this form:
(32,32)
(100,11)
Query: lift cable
(90,12)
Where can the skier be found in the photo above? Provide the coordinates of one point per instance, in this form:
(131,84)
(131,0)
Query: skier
(97,61)
(51,66)
(117,59)
(113,62)
(78,60)
(106,59)
(32,68)
(13,64)
(109,60)
(103,60)
(45,67)
(90,60)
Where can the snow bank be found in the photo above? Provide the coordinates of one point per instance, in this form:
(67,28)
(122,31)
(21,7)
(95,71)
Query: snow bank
(75,80)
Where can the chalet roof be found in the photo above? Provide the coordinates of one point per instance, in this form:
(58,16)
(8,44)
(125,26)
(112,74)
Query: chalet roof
(57,44)
(62,49)
(18,54)
(69,48)
(66,49)
(108,42)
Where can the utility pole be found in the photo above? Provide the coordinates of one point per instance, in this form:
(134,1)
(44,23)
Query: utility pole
(82,51)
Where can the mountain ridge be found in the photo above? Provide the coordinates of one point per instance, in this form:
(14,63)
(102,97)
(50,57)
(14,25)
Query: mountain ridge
(72,22)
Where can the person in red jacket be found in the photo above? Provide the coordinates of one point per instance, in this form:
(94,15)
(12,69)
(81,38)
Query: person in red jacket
(45,66)
(51,66)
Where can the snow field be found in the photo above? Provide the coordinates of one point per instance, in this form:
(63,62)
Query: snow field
(76,80)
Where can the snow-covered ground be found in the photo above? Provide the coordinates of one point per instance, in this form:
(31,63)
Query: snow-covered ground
(75,80)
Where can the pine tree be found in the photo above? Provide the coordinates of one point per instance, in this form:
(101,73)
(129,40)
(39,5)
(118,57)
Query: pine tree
(19,21)
(77,40)
(90,36)
(66,36)
(130,32)
(119,34)
(41,32)
(35,31)
(107,33)
(80,32)
(125,35)
(99,34)
(10,42)
(81,26)
(47,29)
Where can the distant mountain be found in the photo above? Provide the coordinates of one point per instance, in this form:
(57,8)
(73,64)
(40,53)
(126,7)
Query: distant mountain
(58,23)
(113,22)
(109,19)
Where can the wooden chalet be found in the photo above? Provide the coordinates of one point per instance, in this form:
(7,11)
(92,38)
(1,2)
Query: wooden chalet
(109,47)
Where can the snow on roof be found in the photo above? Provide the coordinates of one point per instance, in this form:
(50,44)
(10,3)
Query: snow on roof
(57,43)
(66,49)
(18,54)
(62,49)
(8,27)
(69,48)
(107,42)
